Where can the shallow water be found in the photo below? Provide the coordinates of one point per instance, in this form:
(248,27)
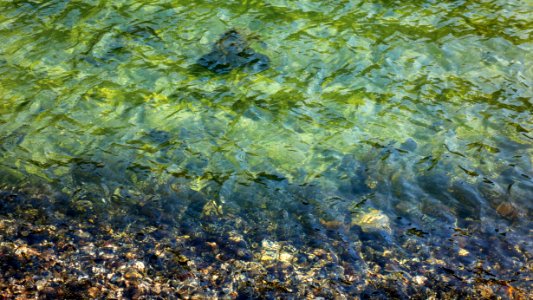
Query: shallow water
(379,126)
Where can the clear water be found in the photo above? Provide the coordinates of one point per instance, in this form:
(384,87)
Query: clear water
(418,112)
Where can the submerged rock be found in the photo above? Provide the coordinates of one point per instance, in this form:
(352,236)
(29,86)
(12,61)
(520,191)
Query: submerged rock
(232,51)
(270,250)
(508,210)
(372,221)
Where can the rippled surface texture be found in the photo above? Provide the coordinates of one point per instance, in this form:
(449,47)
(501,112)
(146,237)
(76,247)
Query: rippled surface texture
(396,136)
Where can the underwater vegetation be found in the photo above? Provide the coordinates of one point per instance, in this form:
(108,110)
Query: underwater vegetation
(371,149)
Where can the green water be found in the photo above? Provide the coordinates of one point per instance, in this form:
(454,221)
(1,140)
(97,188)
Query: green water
(421,110)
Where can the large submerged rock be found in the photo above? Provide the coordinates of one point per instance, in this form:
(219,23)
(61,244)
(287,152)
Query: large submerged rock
(372,221)
(231,51)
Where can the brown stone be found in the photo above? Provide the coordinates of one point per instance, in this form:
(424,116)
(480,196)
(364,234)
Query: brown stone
(132,275)
(507,210)
(93,292)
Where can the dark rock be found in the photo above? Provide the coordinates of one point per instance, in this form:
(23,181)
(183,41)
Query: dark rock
(434,184)
(231,51)
(49,293)
(36,237)
(158,136)
(84,171)
(468,201)
(245,293)
(409,145)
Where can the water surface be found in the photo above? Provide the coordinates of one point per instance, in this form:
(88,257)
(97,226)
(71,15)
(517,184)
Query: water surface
(396,135)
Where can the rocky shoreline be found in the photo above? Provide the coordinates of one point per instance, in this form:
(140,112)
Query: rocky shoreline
(48,250)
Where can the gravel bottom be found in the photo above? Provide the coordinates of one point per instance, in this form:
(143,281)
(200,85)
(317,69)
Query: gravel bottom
(48,252)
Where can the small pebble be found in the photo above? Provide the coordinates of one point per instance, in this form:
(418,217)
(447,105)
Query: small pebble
(132,275)
(420,280)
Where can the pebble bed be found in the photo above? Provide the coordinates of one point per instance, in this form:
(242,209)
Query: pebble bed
(50,249)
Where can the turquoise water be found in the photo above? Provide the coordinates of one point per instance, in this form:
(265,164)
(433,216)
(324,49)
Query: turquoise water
(379,124)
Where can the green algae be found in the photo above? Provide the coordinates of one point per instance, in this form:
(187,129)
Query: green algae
(407,108)
(108,71)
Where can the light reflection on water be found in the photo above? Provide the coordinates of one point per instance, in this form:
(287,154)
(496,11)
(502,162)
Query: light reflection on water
(387,125)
